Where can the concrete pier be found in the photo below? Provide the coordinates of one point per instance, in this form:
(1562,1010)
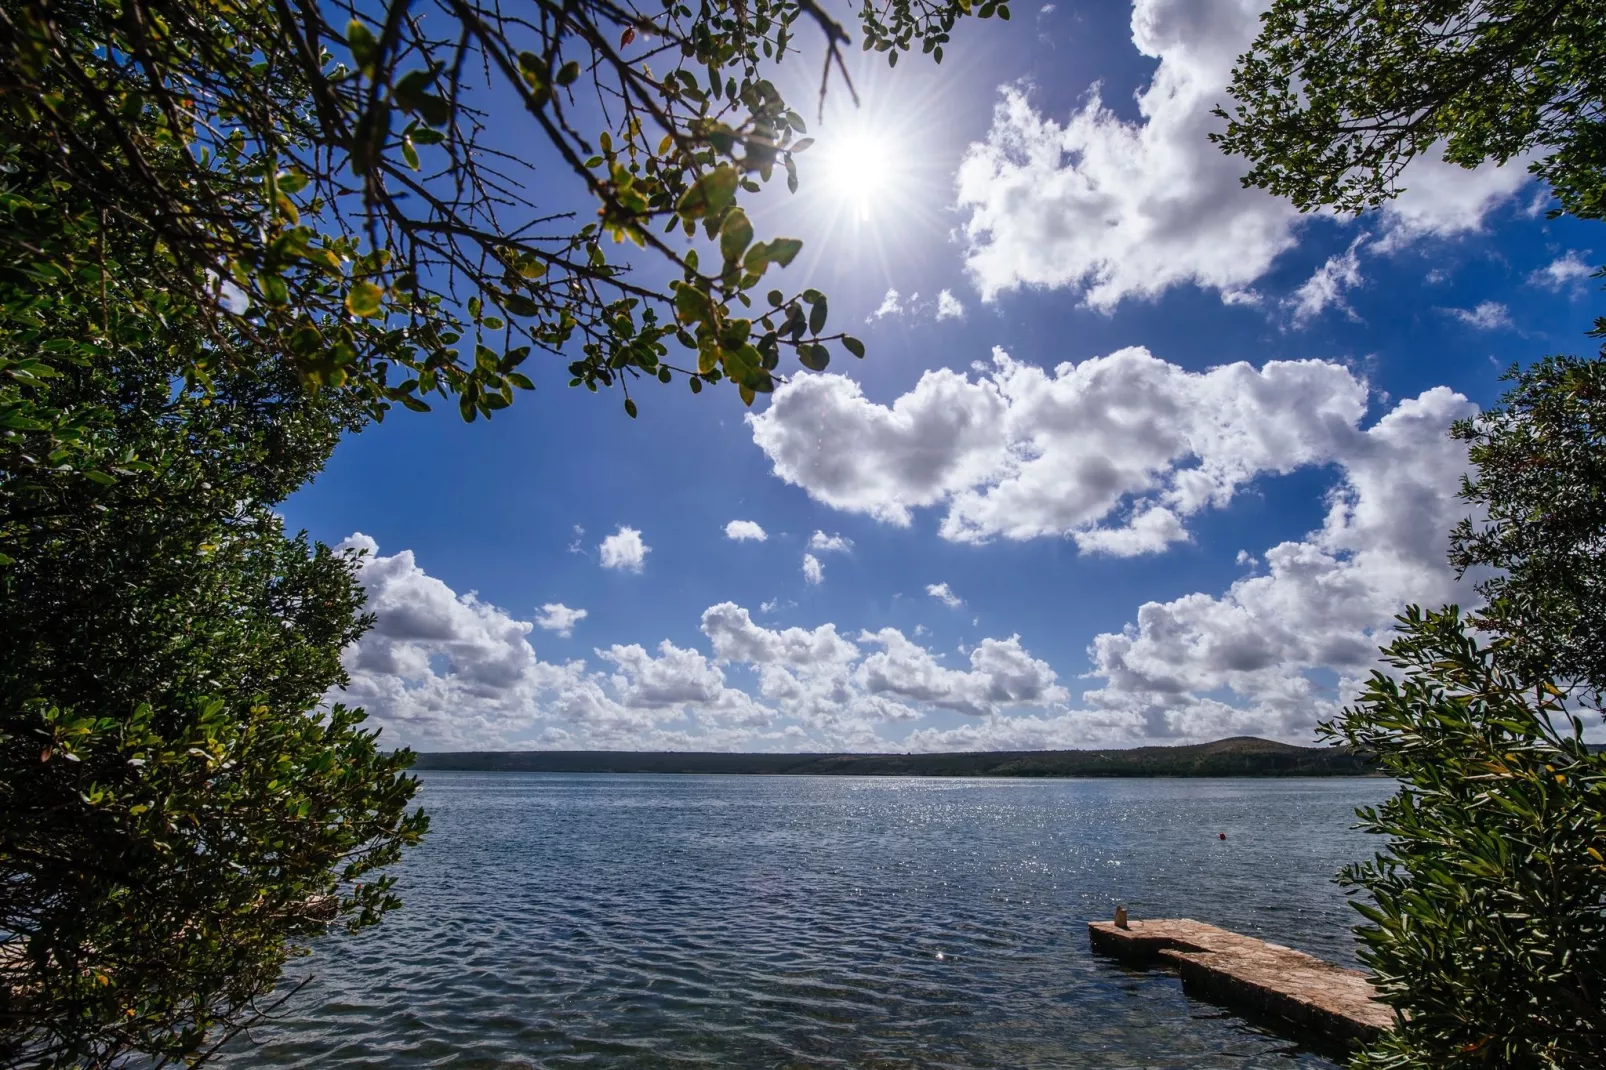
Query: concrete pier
(1312,999)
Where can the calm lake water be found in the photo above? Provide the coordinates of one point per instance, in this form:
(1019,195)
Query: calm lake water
(660,921)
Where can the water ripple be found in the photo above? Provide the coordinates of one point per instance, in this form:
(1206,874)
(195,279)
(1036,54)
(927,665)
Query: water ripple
(635,921)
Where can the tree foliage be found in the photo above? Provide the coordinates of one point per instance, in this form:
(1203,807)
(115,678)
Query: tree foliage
(175,809)
(1336,97)
(1488,911)
(350,186)
(1540,460)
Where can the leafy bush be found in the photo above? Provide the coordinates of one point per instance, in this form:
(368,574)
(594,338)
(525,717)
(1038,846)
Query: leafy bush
(1488,916)
(176,811)
(1541,487)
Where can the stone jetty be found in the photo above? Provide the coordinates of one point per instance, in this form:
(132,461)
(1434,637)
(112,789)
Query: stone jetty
(1304,997)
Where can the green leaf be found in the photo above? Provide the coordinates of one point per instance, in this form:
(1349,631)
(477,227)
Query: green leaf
(362,44)
(364,299)
(519,305)
(817,316)
(813,357)
(630,408)
(853,345)
(710,194)
(435,110)
(735,235)
(783,250)
(274,290)
(569,72)
(692,304)
(775,298)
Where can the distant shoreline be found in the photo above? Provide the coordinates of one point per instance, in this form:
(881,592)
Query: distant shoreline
(1242,756)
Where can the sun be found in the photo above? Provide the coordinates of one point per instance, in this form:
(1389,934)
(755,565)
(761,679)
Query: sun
(875,182)
(858,168)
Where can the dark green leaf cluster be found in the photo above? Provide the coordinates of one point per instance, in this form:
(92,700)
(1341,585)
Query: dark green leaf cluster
(1487,921)
(331,182)
(896,25)
(1540,485)
(176,809)
(1335,98)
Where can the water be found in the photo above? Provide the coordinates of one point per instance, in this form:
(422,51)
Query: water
(658,921)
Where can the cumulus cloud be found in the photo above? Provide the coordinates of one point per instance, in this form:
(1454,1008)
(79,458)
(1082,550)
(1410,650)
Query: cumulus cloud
(891,305)
(1115,209)
(740,530)
(559,618)
(1326,287)
(813,571)
(444,670)
(1262,657)
(829,683)
(624,550)
(949,307)
(829,544)
(1001,674)
(1323,602)
(944,594)
(1115,451)
(448,670)
(451,670)
(1445,200)
(1564,271)
(1487,316)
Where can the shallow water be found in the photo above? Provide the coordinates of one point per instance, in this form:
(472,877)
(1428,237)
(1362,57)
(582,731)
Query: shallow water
(658,921)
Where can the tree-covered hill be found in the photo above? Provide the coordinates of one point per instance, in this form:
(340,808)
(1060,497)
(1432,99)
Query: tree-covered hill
(1240,756)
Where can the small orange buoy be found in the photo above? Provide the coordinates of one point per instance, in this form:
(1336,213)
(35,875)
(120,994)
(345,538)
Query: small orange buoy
(1221,835)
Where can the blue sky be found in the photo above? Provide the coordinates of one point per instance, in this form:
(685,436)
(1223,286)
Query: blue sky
(1136,455)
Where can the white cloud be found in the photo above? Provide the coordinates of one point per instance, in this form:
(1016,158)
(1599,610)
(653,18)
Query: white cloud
(830,544)
(1116,209)
(1326,287)
(451,671)
(1487,316)
(1019,453)
(575,546)
(1563,271)
(1324,602)
(559,618)
(813,571)
(947,306)
(1148,530)
(624,550)
(944,594)
(1002,674)
(438,665)
(444,670)
(745,529)
(1444,200)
